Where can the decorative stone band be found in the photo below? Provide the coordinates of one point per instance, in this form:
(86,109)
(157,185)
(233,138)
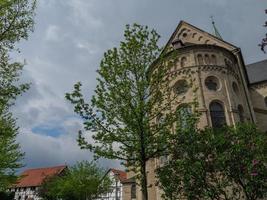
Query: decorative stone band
(196,68)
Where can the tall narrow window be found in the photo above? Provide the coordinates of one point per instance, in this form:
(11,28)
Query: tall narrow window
(200,59)
(133,191)
(241,113)
(183,61)
(217,114)
(184,112)
(207,59)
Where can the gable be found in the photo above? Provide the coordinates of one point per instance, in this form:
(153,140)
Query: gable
(187,34)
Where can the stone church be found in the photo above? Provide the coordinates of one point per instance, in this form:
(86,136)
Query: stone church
(229,91)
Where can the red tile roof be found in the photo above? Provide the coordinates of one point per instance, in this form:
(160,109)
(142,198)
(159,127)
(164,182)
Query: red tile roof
(35,177)
(121,174)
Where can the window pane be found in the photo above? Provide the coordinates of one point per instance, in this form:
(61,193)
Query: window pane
(217,115)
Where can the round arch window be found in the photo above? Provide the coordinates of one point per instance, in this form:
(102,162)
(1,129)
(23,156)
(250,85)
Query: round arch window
(181,87)
(217,114)
(235,88)
(212,83)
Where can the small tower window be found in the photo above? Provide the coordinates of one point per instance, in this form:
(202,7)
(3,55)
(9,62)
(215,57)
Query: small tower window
(212,83)
(181,87)
(183,61)
(207,59)
(217,114)
(200,59)
(241,113)
(213,60)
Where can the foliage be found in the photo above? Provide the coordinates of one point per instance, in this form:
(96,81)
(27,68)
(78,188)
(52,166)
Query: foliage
(264,40)
(7,195)
(228,163)
(10,155)
(132,95)
(84,181)
(16,21)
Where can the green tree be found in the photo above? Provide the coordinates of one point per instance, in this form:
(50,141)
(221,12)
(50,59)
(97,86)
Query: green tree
(10,155)
(228,163)
(129,116)
(83,181)
(16,21)
(264,40)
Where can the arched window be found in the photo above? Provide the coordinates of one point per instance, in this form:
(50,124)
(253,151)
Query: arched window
(207,59)
(235,88)
(183,61)
(265,101)
(184,112)
(200,59)
(217,114)
(213,60)
(241,113)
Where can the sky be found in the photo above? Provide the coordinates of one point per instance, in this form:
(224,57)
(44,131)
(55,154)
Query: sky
(68,42)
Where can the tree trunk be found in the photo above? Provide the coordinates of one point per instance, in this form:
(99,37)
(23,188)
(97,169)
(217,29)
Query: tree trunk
(144,180)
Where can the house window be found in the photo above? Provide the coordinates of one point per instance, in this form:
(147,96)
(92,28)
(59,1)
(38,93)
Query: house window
(200,59)
(265,101)
(241,113)
(181,87)
(184,112)
(217,114)
(212,83)
(133,191)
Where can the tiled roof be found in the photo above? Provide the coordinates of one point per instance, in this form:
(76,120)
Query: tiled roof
(35,177)
(257,72)
(121,174)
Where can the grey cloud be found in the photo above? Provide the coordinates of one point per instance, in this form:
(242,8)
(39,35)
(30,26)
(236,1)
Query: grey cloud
(70,38)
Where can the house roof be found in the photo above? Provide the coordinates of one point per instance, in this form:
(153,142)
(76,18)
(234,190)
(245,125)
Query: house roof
(122,175)
(35,177)
(257,72)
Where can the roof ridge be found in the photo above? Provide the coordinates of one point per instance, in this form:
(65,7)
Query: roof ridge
(52,167)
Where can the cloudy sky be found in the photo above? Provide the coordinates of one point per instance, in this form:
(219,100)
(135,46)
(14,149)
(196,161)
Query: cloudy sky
(69,40)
